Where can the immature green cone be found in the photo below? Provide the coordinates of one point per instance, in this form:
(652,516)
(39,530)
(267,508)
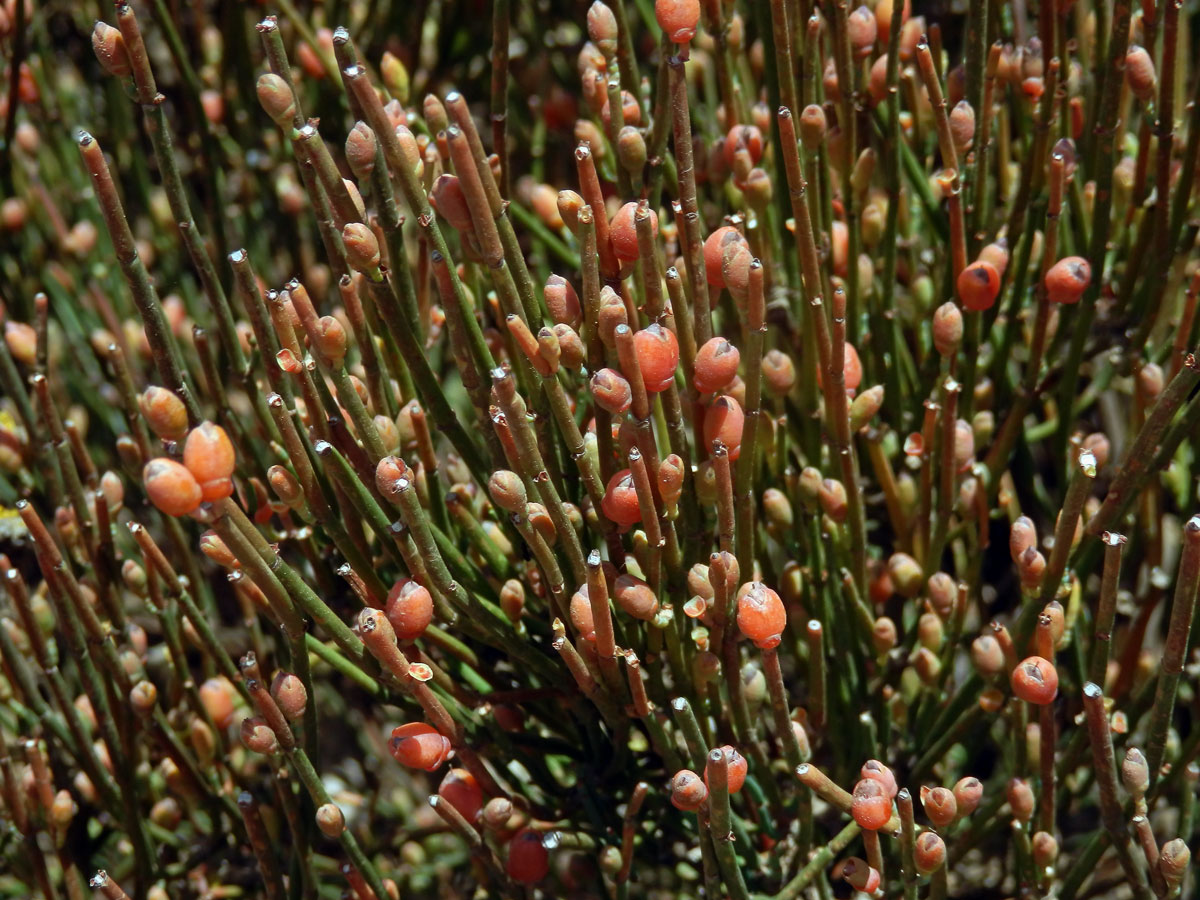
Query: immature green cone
(395,77)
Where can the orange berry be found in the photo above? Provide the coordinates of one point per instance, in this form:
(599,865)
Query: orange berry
(967,792)
(171,487)
(760,614)
(862,29)
(688,791)
(1068,279)
(929,852)
(290,694)
(460,789)
(978,285)
(723,421)
(409,609)
(1035,680)
(658,356)
(778,371)
(623,231)
(620,500)
(419,746)
(528,858)
(839,248)
(635,597)
(871,806)
(739,136)
(677,19)
(714,247)
(164,413)
(716,365)
(940,806)
(736,765)
(209,456)
(217,696)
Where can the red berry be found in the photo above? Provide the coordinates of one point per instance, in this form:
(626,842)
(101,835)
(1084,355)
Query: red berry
(1068,279)
(622,231)
(929,852)
(677,19)
(688,791)
(979,285)
(1035,680)
(760,614)
(658,356)
(714,250)
(736,765)
(723,422)
(860,876)
(871,807)
(409,609)
(460,789)
(620,502)
(419,746)
(528,858)
(877,771)
(171,487)
(747,136)
(716,365)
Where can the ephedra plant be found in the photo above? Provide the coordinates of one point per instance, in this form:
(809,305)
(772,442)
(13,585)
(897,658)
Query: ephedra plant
(729,449)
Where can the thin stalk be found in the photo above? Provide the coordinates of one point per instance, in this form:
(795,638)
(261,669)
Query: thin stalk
(1183,608)
(1100,735)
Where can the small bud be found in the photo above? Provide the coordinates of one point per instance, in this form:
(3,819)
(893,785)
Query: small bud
(1135,773)
(1139,72)
(602,28)
(962,126)
(290,694)
(395,76)
(812,127)
(109,47)
(361,151)
(1020,799)
(257,735)
(362,247)
(164,413)
(142,697)
(276,98)
(330,820)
